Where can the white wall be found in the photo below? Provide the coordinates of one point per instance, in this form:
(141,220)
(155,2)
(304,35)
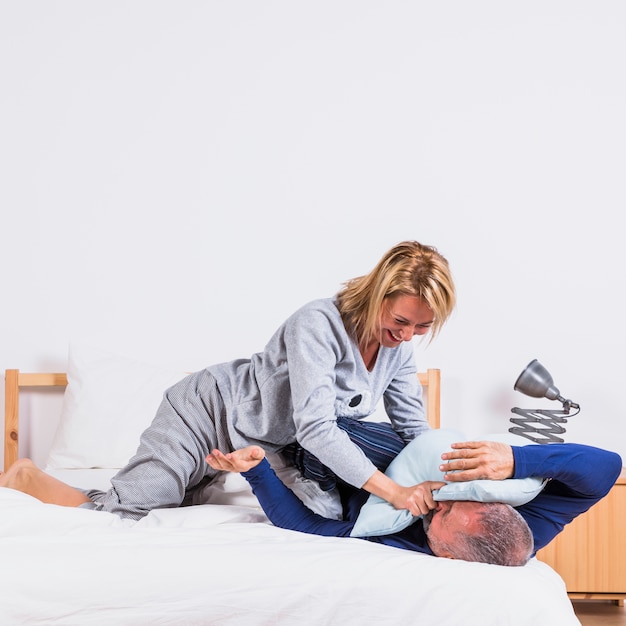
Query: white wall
(177,177)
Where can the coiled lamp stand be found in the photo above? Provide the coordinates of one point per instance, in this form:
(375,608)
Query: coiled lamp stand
(540,425)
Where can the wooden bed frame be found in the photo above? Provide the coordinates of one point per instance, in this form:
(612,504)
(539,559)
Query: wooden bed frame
(16,381)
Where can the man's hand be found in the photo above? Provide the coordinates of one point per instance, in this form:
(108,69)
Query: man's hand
(238,461)
(474,460)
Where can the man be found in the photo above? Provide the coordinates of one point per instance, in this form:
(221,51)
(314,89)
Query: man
(579,476)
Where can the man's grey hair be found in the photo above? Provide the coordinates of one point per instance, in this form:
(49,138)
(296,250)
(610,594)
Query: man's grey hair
(504,539)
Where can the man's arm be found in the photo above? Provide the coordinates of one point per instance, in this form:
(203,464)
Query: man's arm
(285,510)
(279,503)
(579,477)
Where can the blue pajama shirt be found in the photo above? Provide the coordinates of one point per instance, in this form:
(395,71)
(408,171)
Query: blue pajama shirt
(579,475)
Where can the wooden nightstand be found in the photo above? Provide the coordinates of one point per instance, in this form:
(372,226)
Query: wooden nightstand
(590,553)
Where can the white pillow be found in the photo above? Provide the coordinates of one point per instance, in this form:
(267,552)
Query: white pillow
(109,401)
(419,461)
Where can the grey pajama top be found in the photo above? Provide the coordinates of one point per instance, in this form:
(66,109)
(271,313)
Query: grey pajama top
(309,373)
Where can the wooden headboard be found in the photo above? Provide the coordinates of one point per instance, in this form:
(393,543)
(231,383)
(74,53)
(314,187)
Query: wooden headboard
(16,380)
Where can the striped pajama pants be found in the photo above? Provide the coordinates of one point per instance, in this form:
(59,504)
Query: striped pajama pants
(170,460)
(379,441)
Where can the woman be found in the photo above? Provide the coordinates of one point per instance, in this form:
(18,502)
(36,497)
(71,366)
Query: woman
(325,368)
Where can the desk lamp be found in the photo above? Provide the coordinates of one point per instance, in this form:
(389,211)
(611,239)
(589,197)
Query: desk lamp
(540,425)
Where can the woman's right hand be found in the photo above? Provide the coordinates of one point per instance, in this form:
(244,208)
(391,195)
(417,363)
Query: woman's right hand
(418,499)
(238,461)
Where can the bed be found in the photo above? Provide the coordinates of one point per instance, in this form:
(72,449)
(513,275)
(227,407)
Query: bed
(217,564)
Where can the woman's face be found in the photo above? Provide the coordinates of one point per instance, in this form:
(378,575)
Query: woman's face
(403,317)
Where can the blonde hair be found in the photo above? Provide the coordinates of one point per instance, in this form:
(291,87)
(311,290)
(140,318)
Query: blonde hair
(409,268)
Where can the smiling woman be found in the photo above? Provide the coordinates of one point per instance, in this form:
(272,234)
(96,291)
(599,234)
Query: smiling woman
(325,369)
(403,317)
(408,269)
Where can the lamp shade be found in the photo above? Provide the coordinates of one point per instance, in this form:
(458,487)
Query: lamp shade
(535,381)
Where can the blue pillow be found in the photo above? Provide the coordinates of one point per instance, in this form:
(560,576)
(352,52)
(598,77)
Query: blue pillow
(419,461)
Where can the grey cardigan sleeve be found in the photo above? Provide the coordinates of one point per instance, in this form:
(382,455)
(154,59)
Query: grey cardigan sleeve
(317,351)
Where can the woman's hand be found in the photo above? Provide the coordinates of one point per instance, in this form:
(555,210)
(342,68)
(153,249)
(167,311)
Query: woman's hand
(474,460)
(238,461)
(418,499)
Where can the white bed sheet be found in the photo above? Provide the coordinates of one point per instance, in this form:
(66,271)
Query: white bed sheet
(226,565)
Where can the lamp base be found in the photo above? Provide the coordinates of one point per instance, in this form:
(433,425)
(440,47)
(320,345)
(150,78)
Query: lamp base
(539,425)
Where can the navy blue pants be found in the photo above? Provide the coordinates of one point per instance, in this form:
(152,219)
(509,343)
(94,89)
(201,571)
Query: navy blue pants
(378,440)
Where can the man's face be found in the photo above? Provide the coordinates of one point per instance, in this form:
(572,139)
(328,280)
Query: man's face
(450,519)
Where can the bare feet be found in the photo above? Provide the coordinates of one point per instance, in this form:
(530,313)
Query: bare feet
(11,478)
(26,477)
